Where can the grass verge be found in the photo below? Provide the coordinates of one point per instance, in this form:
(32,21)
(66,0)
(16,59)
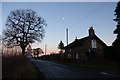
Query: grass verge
(19,67)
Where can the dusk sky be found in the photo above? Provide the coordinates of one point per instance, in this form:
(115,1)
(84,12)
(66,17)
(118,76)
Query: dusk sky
(76,16)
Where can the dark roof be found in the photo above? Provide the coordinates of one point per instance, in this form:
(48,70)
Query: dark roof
(100,40)
(77,42)
(80,42)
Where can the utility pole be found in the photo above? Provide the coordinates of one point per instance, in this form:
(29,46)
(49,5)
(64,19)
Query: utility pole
(45,49)
(67,36)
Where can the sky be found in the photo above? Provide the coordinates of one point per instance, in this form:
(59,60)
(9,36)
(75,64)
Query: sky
(0,23)
(0,17)
(59,0)
(76,16)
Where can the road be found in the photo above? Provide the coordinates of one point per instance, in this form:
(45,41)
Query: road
(57,70)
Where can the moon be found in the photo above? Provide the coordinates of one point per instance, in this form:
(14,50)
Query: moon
(63,18)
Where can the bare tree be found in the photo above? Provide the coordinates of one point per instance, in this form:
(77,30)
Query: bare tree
(23,27)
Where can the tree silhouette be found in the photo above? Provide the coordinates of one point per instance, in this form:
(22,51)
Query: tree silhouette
(61,46)
(117,30)
(23,26)
(37,51)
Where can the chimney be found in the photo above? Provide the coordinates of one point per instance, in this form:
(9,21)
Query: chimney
(91,32)
(76,39)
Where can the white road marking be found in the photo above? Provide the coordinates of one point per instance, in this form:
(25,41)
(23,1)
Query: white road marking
(109,74)
(103,73)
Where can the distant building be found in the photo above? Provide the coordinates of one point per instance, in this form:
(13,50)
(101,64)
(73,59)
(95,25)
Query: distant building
(85,49)
(29,51)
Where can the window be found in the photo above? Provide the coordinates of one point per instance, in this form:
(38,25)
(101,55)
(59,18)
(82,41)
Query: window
(94,45)
(69,50)
(69,55)
(77,56)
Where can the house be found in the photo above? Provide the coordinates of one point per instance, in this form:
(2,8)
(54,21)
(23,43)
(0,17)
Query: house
(87,49)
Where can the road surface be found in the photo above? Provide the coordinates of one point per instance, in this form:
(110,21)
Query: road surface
(57,70)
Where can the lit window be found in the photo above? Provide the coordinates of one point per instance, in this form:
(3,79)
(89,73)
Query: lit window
(94,44)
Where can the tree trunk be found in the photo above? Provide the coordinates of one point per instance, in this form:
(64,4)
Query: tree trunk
(23,51)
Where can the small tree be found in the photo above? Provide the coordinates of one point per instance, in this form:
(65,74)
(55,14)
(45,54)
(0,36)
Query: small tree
(23,27)
(61,46)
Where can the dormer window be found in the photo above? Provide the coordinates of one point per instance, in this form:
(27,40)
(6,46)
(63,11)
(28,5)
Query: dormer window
(94,44)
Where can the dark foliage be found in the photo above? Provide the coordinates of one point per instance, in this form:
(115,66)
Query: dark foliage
(111,53)
(61,46)
(117,30)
